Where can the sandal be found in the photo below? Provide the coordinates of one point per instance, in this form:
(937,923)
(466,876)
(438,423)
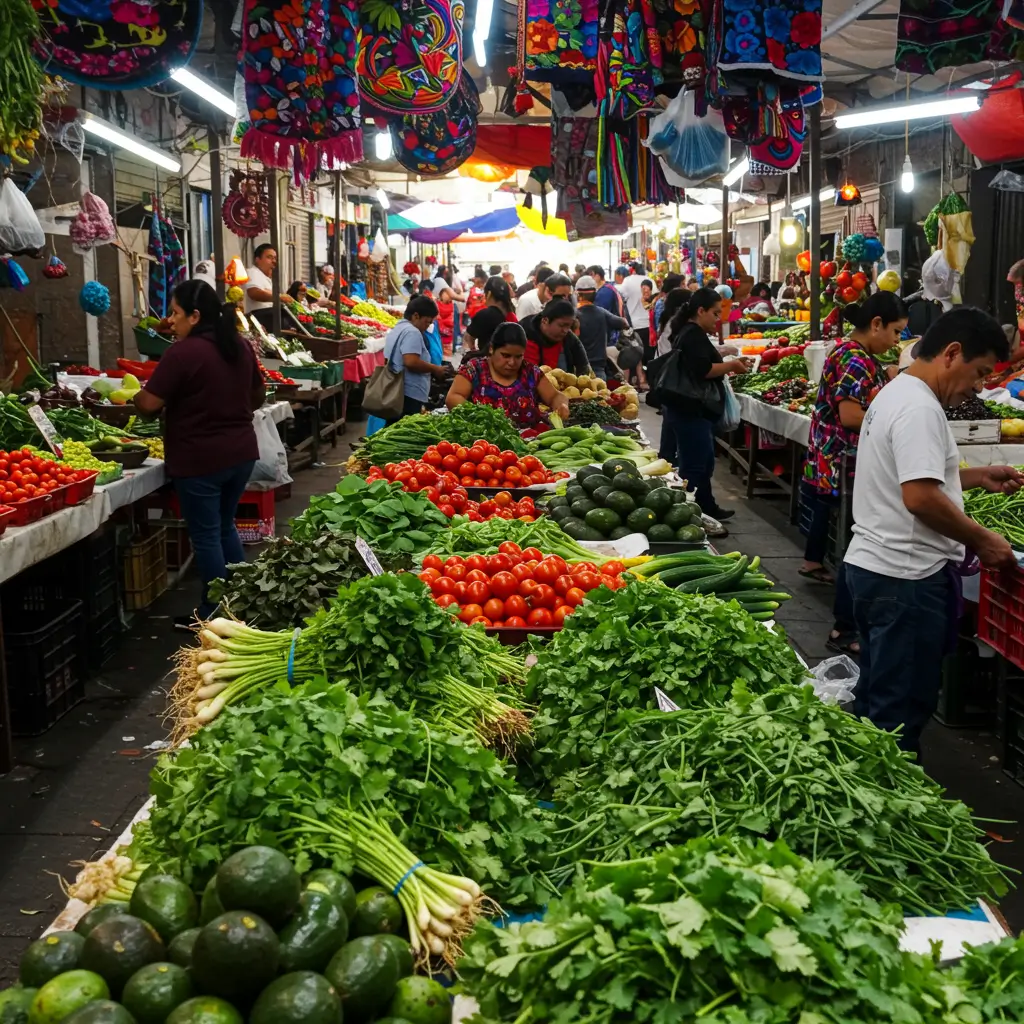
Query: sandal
(843,643)
(819,575)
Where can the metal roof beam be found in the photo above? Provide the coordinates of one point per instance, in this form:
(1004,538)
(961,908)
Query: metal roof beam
(859,9)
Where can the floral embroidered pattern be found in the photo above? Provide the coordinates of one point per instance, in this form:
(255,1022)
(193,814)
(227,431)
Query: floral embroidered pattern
(518,400)
(782,36)
(558,40)
(435,144)
(679,24)
(933,34)
(127,44)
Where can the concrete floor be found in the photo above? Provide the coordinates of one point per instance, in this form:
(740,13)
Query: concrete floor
(75,788)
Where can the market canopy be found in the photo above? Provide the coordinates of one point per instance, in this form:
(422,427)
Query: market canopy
(453,221)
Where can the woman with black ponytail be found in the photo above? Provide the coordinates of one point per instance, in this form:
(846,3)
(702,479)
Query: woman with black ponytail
(208,384)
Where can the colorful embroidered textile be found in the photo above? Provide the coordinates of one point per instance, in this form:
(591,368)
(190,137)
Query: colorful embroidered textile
(124,44)
(558,40)
(627,171)
(410,55)
(298,63)
(780,36)
(631,58)
(435,144)
(679,24)
(168,270)
(518,400)
(933,34)
(850,373)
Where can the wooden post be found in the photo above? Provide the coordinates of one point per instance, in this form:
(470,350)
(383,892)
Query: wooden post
(814,228)
(337,250)
(274,193)
(217,204)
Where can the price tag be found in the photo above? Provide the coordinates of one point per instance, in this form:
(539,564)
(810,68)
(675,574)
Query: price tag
(368,557)
(47,429)
(665,702)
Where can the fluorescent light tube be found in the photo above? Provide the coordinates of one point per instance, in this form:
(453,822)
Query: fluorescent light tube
(382,198)
(481,30)
(109,133)
(736,172)
(909,112)
(825,195)
(204,90)
(382,145)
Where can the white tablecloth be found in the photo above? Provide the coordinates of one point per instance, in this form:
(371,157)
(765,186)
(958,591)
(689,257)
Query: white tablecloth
(779,421)
(135,484)
(277,411)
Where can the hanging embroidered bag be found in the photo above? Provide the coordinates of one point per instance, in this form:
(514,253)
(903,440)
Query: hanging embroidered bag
(437,143)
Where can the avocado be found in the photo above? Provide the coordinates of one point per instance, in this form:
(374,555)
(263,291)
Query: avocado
(582,507)
(317,930)
(589,533)
(601,494)
(695,509)
(621,502)
(641,520)
(679,495)
(613,467)
(421,1001)
(691,534)
(261,880)
(235,956)
(365,973)
(93,917)
(604,520)
(677,517)
(592,483)
(301,997)
(574,492)
(49,956)
(377,912)
(152,992)
(557,500)
(403,952)
(118,947)
(620,532)
(630,483)
(659,502)
(574,527)
(166,903)
(205,1010)
(561,513)
(210,905)
(61,996)
(101,1011)
(586,471)
(337,885)
(660,533)
(179,950)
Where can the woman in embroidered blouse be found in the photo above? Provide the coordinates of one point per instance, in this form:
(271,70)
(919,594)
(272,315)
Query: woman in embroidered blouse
(505,379)
(850,379)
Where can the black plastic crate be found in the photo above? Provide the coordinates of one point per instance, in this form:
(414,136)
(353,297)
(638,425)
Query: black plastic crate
(967,699)
(104,639)
(45,664)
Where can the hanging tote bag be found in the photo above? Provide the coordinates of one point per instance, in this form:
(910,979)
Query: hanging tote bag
(385,390)
(670,379)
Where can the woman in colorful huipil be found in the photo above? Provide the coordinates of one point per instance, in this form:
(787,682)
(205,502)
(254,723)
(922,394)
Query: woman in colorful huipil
(850,379)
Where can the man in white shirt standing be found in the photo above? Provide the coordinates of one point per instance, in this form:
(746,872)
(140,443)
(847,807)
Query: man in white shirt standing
(910,530)
(259,290)
(630,286)
(533,301)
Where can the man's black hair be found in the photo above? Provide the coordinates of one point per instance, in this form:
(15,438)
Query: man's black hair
(261,249)
(557,281)
(543,274)
(420,305)
(978,333)
(596,271)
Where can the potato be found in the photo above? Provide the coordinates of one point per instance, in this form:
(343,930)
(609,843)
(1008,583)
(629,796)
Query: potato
(571,392)
(568,379)
(582,381)
(588,393)
(546,370)
(630,412)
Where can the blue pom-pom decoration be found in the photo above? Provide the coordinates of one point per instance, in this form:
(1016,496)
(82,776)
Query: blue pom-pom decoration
(94,298)
(853,248)
(873,250)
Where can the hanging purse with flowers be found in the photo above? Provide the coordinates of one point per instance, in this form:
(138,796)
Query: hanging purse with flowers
(55,268)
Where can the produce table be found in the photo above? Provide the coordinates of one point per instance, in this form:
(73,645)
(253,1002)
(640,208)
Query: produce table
(326,409)
(277,411)
(360,366)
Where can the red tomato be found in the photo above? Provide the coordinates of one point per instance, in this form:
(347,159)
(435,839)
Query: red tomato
(576,567)
(548,570)
(477,454)
(613,568)
(468,481)
(860,281)
(429,575)
(470,611)
(513,475)
(445,447)
(560,614)
(510,547)
(455,572)
(493,449)
(494,609)
(538,476)
(478,592)
(485,471)
(459,498)
(492,459)
(432,494)
(587,581)
(432,562)
(475,517)
(526,502)
(447,510)
(543,597)
(488,508)
(497,476)
(516,621)
(498,563)
(522,572)
(504,585)
(461,453)
(426,474)
(532,555)
(529,463)
(509,458)
(450,463)
(442,585)
(446,600)
(503,499)
(476,562)
(563,584)
(515,605)
(844,279)
(467,468)
(390,470)
(477,575)
(454,560)
(539,617)
(527,587)
(432,456)
(575,597)
(461,591)
(403,476)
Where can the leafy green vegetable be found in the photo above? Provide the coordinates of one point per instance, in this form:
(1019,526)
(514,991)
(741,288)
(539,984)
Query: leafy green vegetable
(991,981)
(385,516)
(716,931)
(1004,412)
(786,766)
(292,579)
(466,537)
(618,645)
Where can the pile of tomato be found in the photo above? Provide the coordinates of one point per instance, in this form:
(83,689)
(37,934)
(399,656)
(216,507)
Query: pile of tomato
(517,587)
(23,475)
(482,465)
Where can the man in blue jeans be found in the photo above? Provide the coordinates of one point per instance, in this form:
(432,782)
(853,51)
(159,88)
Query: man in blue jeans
(910,531)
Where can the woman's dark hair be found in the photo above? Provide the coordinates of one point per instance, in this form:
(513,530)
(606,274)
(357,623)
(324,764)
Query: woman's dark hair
(647,281)
(762,290)
(215,318)
(702,298)
(293,289)
(978,333)
(498,287)
(420,305)
(478,271)
(671,283)
(557,309)
(494,270)
(427,287)
(444,273)
(884,305)
(674,301)
(508,334)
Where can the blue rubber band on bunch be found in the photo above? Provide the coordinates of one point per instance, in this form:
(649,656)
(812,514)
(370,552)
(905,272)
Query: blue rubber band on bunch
(398,888)
(291,656)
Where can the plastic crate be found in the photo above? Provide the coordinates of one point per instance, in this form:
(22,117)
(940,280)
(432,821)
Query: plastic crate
(82,487)
(178,546)
(45,663)
(1001,613)
(968,695)
(305,373)
(6,518)
(145,569)
(29,510)
(255,518)
(104,637)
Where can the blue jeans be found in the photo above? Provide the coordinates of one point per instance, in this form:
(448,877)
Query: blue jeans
(695,450)
(903,628)
(208,504)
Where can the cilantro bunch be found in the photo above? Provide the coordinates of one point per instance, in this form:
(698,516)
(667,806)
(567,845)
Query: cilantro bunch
(785,766)
(718,931)
(990,981)
(619,645)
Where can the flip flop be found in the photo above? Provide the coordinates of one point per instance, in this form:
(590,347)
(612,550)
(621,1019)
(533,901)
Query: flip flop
(844,644)
(819,575)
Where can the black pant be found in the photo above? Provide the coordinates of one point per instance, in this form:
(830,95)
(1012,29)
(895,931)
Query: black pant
(817,542)
(695,449)
(644,336)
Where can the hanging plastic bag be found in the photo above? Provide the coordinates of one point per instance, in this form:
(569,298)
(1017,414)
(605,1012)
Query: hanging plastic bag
(696,148)
(272,464)
(93,226)
(20,232)
(1007,181)
(16,277)
(379,253)
(731,415)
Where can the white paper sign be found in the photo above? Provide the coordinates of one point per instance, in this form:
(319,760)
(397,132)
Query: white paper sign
(47,429)
(369,557)
(665,702)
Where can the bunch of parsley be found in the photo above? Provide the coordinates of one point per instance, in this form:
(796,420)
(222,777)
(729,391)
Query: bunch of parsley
(783,766)
(246,778)
(619,645)
(990,979)
(717,931)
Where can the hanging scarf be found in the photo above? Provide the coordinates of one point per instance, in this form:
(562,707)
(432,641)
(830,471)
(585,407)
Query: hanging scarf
(628,173)
(630,58)
(934,34)
(782,37)
(679,24)
(158,300)
(298,63)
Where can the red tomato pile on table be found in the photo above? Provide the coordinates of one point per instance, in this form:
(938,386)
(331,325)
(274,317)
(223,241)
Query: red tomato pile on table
(516,587)
(24,474)
(482,465)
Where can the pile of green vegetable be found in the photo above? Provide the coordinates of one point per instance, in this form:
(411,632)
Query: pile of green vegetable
(720,932)
(263,945)
(990,979)
(758,383)
(382,513)
(619,645)
(1004,412)
(467,537)
(411,436)
(587,411)
(293,579)
(573,447)
(1000,513)
(616,500)
(782,765)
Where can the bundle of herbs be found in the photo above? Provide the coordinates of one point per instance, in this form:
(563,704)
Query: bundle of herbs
(382,513)
(1000,513)
(381,633)
(990,980)
(784,766)
(293,579)
(716,931)
(467,538)
(619,645)
(356,784)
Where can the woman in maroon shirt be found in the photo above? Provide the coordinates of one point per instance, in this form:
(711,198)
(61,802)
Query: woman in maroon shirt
(209,384)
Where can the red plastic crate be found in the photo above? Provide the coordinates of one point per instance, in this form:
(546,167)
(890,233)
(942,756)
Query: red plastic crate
(60,499)
(1001,613)
(29,510)
(82,486)
(6,517)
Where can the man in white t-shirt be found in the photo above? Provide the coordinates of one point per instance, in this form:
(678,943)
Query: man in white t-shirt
(630,286)
(259,290)
(910,530)
(533,301)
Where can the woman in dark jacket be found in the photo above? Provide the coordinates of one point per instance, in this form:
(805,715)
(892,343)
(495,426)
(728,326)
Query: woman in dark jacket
(550,341)
(692,421)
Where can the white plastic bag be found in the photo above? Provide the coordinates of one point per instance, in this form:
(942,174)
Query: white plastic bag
(694,148)
(379,252)
(272,464)
(835,679)
(731,415)
(20,232)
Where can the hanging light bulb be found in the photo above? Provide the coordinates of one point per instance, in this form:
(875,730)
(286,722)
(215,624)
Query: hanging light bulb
(907,177)
(789,233)
(382,145)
